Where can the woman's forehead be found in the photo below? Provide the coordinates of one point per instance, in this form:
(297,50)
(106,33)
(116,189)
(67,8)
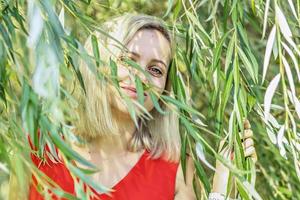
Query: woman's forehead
(150,43)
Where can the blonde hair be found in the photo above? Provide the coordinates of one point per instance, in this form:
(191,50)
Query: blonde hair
(160,135)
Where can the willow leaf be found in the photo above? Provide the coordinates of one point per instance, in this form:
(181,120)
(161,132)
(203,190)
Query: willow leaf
(268,52)
(269,95)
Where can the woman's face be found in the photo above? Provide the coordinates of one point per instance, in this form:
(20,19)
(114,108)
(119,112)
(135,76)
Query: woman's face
(150,49)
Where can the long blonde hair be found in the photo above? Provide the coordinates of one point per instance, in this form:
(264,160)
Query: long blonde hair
(160,135)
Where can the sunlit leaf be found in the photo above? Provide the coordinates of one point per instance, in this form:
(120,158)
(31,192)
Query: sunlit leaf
(36,23)
(291,54)
(293,8)
(268,52)
(201,155)
(289,74)
(280,136)
(269,95)
(267,6)
(283,25)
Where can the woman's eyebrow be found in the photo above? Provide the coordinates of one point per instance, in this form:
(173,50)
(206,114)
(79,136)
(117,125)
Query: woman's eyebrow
(159,61)
(153,60)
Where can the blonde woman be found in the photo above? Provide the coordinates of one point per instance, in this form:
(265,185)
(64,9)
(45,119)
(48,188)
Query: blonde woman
(137,162)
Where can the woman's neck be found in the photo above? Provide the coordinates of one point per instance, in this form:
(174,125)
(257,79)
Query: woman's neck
(106,147)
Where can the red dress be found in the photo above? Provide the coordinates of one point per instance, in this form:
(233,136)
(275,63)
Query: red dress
(149,179)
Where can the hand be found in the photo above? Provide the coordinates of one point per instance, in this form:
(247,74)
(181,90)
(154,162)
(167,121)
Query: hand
(248,142)
(222,172)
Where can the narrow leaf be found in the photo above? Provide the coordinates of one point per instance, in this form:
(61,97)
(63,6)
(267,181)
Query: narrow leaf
(291,54)
(269,47)
(289,75)
(201,155)
(293,9)
(280,137)
(269,95)
(283,25)
(266,17)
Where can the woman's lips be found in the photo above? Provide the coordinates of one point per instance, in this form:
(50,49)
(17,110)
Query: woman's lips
(131,91)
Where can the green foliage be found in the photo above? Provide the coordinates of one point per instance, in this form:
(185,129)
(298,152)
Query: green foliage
(234,59)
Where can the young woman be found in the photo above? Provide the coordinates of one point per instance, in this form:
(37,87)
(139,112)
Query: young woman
(136,162)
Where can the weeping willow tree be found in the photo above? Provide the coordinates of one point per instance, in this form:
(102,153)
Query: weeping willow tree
(234,60)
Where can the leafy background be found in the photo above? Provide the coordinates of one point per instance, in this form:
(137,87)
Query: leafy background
(235,59)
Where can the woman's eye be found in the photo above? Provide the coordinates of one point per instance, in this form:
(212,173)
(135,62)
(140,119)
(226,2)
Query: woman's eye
(155,71)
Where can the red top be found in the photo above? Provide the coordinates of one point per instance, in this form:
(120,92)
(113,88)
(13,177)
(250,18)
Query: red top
(149,179)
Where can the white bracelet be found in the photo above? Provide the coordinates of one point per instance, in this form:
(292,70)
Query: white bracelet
(216,196)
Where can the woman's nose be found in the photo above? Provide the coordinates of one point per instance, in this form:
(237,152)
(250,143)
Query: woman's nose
(141,73)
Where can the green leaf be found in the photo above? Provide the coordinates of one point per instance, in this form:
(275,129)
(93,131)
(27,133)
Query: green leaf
(60,144)
(77,72)
(218,50)
(247,64)
(140,90)
(229,54)
(114,72)
(181,105)
(183,152)
(203,176)
(170,5)
(95,49)
(155,102)
(78,173)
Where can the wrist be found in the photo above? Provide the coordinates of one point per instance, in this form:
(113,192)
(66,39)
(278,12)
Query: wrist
(220,182)
(220,179)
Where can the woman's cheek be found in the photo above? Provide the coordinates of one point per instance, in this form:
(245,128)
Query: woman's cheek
(122,72)
(148,105)
(159,84)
